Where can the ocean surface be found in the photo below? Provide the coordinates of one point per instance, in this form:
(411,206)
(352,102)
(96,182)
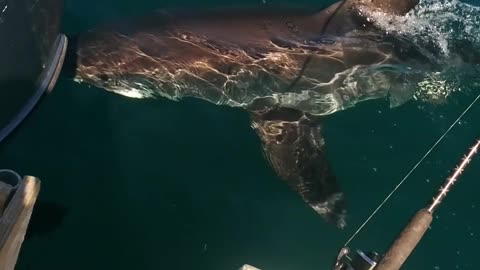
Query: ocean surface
(156,184)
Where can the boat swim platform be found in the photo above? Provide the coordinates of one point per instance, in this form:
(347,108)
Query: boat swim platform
(17,199)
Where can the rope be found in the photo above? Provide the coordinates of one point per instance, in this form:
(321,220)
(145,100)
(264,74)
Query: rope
(411,171)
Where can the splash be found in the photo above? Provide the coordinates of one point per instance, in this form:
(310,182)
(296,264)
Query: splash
(446,31)
(435,89)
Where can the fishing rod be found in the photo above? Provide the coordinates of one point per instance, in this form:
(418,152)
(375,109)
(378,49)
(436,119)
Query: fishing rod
(411,235)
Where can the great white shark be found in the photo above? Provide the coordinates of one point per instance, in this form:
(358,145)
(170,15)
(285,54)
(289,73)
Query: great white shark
(287,68)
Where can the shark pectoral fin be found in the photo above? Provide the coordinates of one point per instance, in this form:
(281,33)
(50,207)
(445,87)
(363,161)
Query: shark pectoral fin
(294,146)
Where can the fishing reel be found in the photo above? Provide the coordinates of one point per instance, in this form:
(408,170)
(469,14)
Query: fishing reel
(360,261)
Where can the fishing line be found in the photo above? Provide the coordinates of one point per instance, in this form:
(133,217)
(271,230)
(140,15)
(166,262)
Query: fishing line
(411,171)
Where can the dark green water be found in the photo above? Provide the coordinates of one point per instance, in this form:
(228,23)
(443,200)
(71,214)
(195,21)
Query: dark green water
(156,184)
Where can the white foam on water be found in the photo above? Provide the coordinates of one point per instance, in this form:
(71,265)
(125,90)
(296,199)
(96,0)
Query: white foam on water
(445,25)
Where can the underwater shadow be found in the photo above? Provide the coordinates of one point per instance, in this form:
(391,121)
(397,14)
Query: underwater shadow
(47,216)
